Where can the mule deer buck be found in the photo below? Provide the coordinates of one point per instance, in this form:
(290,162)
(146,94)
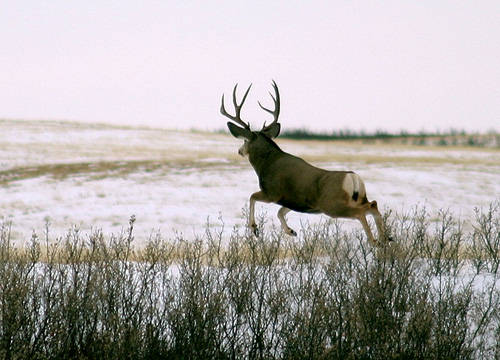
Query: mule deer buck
(293,183)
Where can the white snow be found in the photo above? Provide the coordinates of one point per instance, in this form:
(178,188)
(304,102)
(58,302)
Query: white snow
(199,176)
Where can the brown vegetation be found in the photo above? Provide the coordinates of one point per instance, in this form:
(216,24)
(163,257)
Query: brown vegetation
(325,295)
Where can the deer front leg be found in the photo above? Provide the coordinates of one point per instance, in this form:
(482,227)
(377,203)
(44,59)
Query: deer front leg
(257,196)
(281,216)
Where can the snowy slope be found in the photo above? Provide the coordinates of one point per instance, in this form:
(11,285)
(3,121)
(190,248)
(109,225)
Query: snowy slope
(92,176)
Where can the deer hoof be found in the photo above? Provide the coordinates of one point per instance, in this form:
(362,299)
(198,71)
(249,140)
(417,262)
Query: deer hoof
(255,229)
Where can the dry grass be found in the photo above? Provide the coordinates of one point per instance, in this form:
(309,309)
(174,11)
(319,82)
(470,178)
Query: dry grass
(404,161)
(119,168)
(101,169)
(417,235)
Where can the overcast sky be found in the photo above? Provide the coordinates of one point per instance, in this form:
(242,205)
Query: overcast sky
(362,65)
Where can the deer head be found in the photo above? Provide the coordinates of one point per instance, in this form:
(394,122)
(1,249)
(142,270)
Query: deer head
(243,131)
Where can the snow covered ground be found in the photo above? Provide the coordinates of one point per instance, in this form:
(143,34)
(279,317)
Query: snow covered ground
(97,176)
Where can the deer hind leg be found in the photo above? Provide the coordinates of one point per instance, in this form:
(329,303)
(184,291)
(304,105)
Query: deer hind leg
(373,211)
(257,196)
(362,218)
(281,216)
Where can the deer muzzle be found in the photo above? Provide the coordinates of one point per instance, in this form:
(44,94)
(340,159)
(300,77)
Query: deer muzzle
(243,150)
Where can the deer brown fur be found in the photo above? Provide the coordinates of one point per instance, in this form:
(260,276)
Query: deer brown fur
(293,183)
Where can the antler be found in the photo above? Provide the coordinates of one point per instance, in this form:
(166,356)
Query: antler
(276,112)
(236,118)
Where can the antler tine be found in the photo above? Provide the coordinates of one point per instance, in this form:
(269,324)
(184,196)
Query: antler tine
(224,112)
(237,108)
(276,111)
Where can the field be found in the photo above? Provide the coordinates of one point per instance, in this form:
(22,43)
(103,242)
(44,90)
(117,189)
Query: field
(88,176)
(131,243)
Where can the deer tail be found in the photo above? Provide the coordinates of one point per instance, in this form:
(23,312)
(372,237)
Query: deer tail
(355,186)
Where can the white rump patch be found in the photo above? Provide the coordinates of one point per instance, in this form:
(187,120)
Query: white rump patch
(353,185)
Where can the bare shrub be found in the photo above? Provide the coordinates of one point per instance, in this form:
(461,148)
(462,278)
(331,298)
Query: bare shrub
(486,237)
(324,295)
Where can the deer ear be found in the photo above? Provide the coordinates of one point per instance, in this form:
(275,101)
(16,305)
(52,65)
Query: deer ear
(239,132)
(272,130)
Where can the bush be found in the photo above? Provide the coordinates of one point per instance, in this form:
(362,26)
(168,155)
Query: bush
(324,295)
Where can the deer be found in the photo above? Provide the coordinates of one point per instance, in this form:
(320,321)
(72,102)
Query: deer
(293,183)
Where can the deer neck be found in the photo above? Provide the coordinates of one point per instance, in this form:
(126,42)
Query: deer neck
(263,155)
